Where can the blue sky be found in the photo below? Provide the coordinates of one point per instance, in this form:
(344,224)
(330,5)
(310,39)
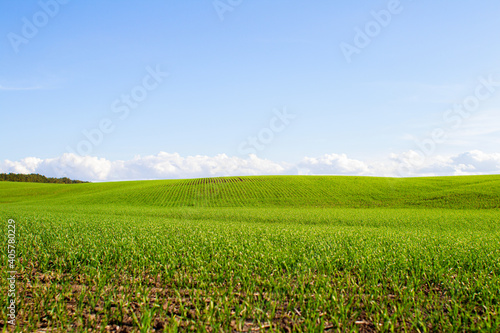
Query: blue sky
(228,77)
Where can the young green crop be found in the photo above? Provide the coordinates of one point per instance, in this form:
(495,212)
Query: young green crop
(112,257)
(473,192)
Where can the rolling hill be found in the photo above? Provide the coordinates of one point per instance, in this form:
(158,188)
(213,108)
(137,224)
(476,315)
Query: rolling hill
(247,254)
(464,192)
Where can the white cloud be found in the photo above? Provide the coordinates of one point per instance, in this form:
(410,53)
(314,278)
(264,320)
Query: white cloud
(474,162)
(172,165)
(26,165)
(333,164)
(162,165)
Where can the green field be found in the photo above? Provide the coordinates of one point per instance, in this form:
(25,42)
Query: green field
(275,253)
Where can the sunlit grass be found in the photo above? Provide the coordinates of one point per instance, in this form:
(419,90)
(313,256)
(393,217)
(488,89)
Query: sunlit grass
(143,265)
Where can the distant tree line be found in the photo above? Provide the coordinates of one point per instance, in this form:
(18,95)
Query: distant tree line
(36,178)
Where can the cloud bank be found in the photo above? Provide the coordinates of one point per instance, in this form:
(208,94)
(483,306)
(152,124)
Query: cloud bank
(174,166)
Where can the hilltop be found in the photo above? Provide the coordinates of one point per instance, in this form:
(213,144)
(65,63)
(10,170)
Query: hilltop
(462,192)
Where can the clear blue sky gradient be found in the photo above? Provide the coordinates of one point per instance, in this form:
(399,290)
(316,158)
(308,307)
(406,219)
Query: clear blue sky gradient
(227,76)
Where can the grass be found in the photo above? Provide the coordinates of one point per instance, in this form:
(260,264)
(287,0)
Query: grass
(304,254)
